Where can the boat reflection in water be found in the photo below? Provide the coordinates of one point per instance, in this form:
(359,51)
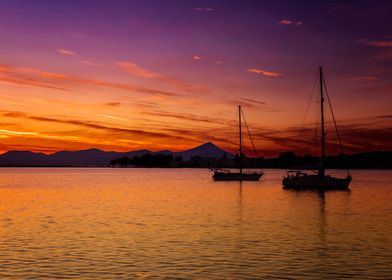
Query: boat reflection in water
(324,201)
(296,179)
(227,175)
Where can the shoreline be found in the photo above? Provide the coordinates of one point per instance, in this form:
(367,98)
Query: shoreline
(144,167)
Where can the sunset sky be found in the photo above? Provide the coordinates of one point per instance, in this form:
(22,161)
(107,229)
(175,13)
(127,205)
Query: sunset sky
(126,75)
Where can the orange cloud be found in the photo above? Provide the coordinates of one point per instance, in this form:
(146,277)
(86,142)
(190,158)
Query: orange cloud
(113,117)
(13,102)
(39,78)
(188,117)
(264,72)
(26,82)
(86,134)
(17,132)
(66,52)
(94,125)
(113,104)
(246,102)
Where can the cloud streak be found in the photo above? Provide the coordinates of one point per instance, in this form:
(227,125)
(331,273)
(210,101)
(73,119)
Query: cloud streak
(89,63)
(113,117)
(113,104)
(264,72)
(38,78)
(188,117)
(137,71)
(250,103)
(27,82)
(384,117)
(66,52)
(198,58)
(17,132)
(97,126)
(204,9)
(356,137)
(384,47)
(290,22)
(364,79)
(376,43)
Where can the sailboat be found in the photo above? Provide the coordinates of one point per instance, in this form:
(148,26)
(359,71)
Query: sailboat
(240,175)
(298,179)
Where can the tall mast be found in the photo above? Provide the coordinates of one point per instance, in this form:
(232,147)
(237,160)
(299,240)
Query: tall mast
(321,171)
(239,125)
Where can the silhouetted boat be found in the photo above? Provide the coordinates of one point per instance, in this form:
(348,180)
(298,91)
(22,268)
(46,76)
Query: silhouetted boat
(229,175)
(298,179)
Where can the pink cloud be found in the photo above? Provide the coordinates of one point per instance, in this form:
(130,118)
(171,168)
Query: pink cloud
(138,71)
(210,60)
(285,21)
(290,22)
(364,79)
(386,55)
(38,78)
(376,43)
(66,52)
(201,9)
(89,63)
(135,70)
(384,47)
(264,72)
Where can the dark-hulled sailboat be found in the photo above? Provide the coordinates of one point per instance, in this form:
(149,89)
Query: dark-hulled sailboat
(241,175)
(298,179)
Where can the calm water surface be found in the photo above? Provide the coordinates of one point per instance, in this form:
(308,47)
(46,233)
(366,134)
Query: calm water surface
(167,223)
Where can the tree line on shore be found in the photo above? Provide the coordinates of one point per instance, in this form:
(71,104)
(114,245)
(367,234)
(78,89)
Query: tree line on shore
(162,160)
(288,159)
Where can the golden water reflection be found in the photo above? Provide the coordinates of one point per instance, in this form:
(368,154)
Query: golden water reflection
(140,223)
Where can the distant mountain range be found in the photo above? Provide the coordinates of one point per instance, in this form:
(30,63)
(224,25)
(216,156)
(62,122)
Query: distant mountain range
(94,157)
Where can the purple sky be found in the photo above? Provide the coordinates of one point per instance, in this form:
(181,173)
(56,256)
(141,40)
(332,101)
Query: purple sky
(63,59)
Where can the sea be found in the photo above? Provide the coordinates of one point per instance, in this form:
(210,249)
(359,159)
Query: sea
(134,223)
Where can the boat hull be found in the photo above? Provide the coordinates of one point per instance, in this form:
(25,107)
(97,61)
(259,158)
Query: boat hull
(233,176)
(316,182)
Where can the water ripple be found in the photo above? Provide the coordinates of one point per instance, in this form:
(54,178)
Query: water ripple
(179,224)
